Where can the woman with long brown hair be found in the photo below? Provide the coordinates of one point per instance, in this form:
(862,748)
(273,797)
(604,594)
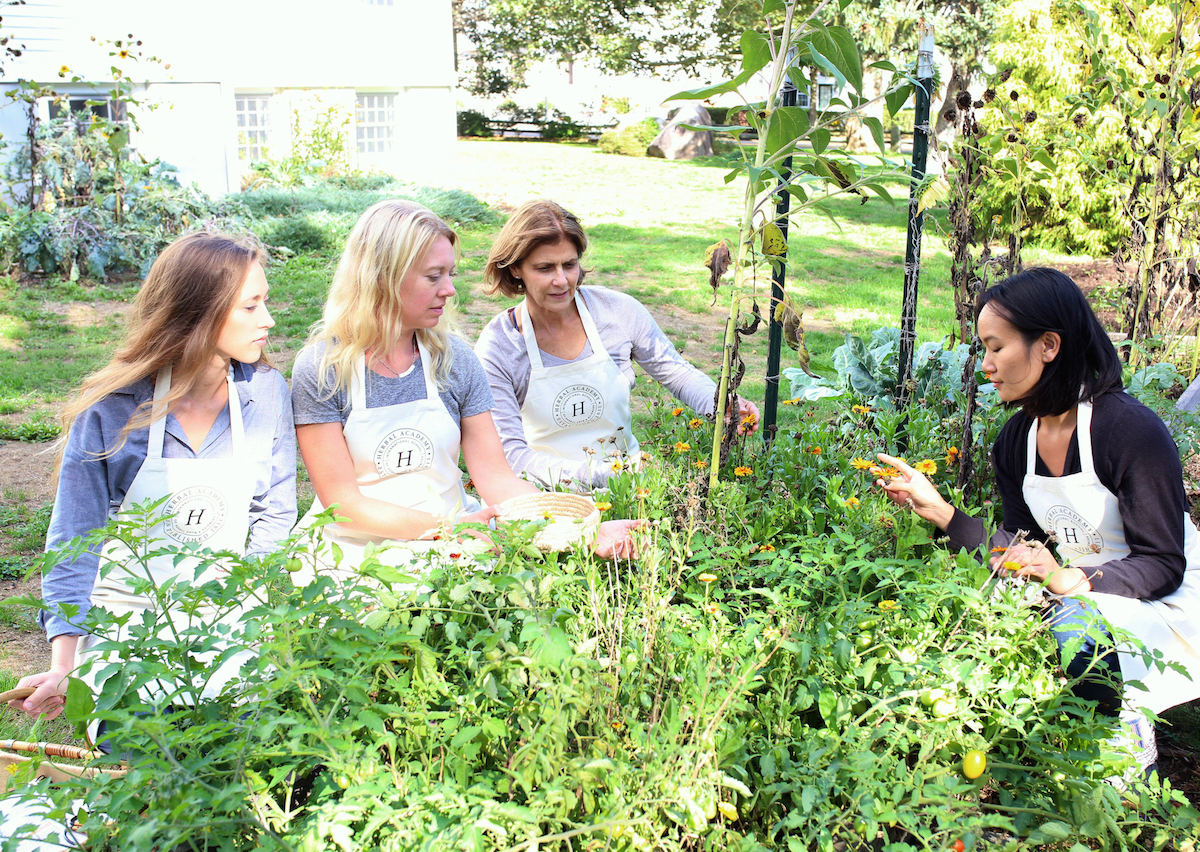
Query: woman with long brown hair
(188,408)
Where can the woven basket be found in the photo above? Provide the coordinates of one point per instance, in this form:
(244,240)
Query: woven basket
(573,519)
(57,772)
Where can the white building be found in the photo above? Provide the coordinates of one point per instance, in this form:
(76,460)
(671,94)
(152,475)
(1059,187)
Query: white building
(243,74)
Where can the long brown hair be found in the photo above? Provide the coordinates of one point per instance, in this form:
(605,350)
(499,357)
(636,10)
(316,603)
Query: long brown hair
(176,319)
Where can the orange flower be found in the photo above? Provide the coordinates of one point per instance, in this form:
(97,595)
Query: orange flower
(766,548)
(708,578)
(815,450)
(862,464)
(887,472)
(603,505)
(676,412)
(952,455)
(999,548)
(700,464)
(695,423)
(860,409)
(742,470)
(851,502)
(926,466)
(643,493)
(682,447)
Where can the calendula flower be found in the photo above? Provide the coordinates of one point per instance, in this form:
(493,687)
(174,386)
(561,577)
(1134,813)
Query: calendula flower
(728,810)
(618,466)
(695,423)
(795,401)
(676,412)
(888,605)
(682,447)
(546,514)
(711,608)
(860,409)
(750,419)
(742,470)
(851,502)
(708,578)
(766,548)
(815,450)
(1011,566)
(64,71)
(999,548)
(952,455)
(618,725)
(862,464)
(643,493)
(926,466)
(700,464)
(886,472)
(603,505)
(455,555)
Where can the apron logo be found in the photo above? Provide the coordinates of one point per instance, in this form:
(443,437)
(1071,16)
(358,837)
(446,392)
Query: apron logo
(577,405)
(1073,532)
(197,514)
(404,451)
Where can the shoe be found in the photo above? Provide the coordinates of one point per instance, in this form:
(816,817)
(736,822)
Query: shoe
(1135,738)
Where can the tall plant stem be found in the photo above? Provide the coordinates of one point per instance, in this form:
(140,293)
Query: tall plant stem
(745,236)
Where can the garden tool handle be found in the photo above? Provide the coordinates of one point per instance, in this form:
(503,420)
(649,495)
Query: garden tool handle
(19,693)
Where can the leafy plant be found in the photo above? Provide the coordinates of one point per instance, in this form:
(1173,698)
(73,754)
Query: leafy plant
(632,140)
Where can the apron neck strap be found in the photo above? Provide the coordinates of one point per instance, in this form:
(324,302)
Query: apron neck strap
(585,316)
(1083,435)
(237,431)
(158,426)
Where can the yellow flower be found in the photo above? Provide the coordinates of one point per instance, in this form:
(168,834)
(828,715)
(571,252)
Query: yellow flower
(926,466)
(862,464)
(795,401)
(547,514)
(708,578)
(1011,566)
(766,548)
(695,423)
(681,447)
(851,502)
(815,450)
(888,605)
(618,466)
(728,810)
(999,548)
(618,725)
(124,54)
(750,419)
(603,505)
(643,493)
(711,608)
(887,472)
(860,409)
(677,412)
(742,470)
(64,71)
(700,464)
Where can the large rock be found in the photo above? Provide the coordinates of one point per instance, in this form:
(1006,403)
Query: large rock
(675,142)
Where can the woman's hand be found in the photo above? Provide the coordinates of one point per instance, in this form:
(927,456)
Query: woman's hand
(911,489)
(747,417)
(50,693)
(613,540)
(1038,563)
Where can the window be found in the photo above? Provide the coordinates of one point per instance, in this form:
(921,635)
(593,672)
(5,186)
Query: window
(252,125)
(97,105)
(376,123)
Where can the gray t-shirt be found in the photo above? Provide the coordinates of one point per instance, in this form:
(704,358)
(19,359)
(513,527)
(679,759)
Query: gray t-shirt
(466,395)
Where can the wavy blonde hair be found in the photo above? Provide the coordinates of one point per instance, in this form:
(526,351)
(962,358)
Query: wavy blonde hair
(535,224)
(362,311)
(176,319)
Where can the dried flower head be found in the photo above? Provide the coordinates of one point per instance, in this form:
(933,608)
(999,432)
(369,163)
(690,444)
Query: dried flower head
(1013,96)
(1011,137)
(978,104)
(1005,74)
(989,96)
(1079,118)
(951,116)
(1030,117)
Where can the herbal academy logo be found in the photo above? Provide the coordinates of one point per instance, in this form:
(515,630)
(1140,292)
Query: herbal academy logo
(1072,531)
(577,405)
(197,513)
(404,451)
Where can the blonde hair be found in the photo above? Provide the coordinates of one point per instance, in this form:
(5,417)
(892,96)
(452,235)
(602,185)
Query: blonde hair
(176,319)
(363,308)
(535,224)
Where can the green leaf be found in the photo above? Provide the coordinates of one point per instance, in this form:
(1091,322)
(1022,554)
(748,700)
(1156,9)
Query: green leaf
(770,6)
(850,59)
(717,89)
(897,98)
(787,126)
(1050,831)
(819,58)
(827,704)
(756,51)
(819,138)
(876,127)
(80,703)
(881,191)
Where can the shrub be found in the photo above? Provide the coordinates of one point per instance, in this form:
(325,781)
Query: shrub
(473,123)
(298,232)
(631,140)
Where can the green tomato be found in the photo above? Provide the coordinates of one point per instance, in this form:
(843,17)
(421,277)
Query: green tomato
(867,623)
(974,763)
(944,708)
(864,641)
(293,565)
(343,780)
(907,654)
(929,696)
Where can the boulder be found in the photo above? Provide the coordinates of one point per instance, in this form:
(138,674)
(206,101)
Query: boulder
(675,142)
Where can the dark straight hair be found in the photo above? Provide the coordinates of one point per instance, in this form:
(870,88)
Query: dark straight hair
(1039,300)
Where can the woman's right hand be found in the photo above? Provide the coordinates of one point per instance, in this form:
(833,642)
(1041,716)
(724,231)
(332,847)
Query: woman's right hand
(911,489)
(50,694)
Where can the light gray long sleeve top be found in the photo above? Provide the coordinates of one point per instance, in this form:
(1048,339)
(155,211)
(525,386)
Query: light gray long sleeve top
(629,334)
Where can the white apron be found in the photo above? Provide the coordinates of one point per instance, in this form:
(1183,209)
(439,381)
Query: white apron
(404,454)
(209,507)
(577,406)
(1084,516)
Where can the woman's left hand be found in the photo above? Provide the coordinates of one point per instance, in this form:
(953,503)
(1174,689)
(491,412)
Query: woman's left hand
(613,539)
(747,417)
(1038,563)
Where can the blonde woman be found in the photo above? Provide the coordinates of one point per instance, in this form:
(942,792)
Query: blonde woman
(560,363)
(386,396)
(188,407)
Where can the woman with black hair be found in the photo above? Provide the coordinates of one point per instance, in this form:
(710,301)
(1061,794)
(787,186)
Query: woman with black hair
(1092,476)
